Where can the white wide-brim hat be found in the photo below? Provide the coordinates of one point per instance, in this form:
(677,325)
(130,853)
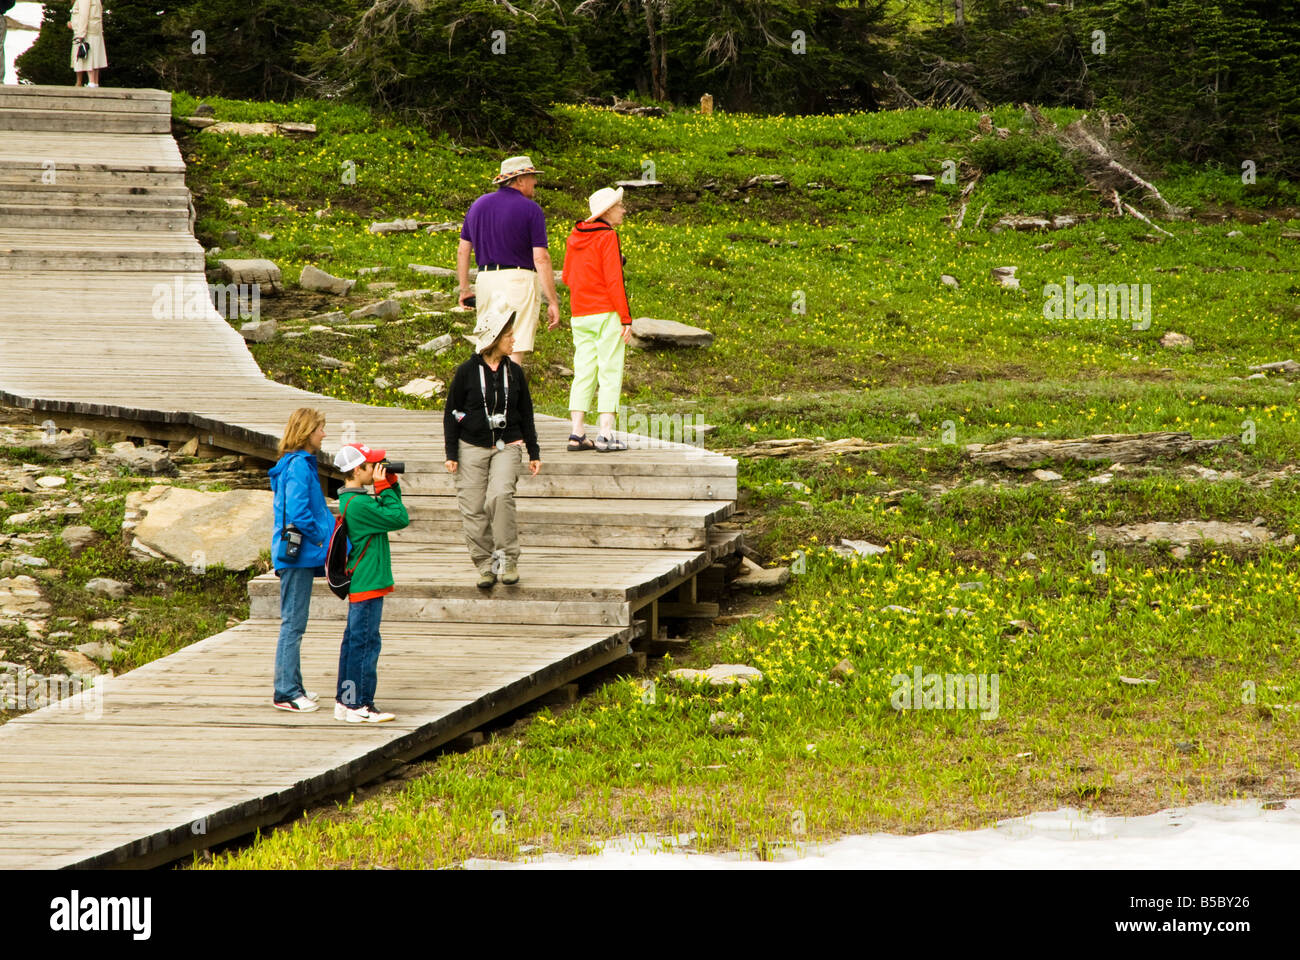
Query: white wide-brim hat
(602,200)
(492,319)
(512,167)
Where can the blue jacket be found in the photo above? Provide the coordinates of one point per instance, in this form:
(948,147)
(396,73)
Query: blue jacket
(297,476)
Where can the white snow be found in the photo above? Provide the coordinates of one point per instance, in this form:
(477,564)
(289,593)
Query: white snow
(1240,836)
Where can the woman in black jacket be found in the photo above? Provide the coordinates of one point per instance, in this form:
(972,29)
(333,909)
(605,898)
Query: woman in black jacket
(489,416)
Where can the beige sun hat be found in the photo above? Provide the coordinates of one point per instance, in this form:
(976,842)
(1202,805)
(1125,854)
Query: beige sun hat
(512,167)
(602,200)
(492,319)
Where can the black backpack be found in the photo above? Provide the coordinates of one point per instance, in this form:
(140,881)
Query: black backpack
(337,572)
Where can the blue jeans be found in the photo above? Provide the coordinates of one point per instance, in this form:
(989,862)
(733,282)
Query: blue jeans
(295,600)
(359,654)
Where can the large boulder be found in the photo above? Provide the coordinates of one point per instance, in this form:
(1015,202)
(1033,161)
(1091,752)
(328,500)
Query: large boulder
(263,273)
(196,527)
(150,459)
(649,332)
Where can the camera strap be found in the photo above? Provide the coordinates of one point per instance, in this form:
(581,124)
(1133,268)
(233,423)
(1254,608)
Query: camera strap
(482,382)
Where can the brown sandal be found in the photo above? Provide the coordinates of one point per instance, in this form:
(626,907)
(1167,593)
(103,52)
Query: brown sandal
(577,443)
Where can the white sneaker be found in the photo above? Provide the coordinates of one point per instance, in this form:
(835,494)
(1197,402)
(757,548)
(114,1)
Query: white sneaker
(313,696)
(340,711)
(301,705)
(92,84)
(364,714)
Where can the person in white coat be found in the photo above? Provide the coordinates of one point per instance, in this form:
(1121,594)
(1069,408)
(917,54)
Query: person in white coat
(87,25)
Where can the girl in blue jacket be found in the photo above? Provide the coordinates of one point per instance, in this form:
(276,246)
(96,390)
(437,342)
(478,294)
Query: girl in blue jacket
(298,502)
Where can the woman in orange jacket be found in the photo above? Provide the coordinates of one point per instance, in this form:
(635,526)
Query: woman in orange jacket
(602,321)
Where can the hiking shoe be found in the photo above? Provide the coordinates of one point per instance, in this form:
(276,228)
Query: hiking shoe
(364,714)
(510,573)
(485,579)
(299,704)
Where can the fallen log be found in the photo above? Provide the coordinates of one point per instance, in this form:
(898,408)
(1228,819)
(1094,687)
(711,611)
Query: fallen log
(1022,454)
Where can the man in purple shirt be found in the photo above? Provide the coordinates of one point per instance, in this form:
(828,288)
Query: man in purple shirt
(507,232)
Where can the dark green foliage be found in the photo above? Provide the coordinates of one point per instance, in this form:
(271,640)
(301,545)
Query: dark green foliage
(436,63)
(1021,153)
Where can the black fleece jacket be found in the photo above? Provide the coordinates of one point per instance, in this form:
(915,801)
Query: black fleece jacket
(466,397)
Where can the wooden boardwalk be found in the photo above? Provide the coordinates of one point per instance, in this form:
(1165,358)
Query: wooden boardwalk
(187,752)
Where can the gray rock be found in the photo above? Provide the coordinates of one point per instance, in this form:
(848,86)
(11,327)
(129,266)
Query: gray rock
(105,587)
(77,538)
(439,345)
(1028,557)
(422,387)
(380,286)
(1047,476)
(1184,533)
(1288,367)
(441,227)
(69,447)
(949,281)
(433,271)
(334,316)
(395,226)
(200,527)
(765,179)
(297,129)
(78,664)
(649,332)
(1006,276)
(1176,341)
(331,363)
(719,675)
(97,649)
(861,548)
(844,670)
(258,331)
(264,273)
(383,310)
(143,460)
(27,560)
(364,271)
(313,278)
(51,483)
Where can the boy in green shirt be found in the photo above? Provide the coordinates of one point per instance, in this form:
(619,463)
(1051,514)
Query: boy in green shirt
(368,520)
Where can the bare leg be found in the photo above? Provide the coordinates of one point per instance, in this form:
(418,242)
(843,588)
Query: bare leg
(94,77)
(79,73)
(606,424)
(579,420)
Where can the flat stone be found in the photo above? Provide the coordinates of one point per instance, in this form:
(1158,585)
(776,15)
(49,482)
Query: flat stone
(297,129)
(27,560)
(20,519)
(395,226)
(719,675)
(650,332)
(69,447)
(107,626)
(200,123)
(1176,341)
(313,278)
(762,578)
(142,460)
(949,281)
(422,387)
(861,548)
(331,363)
(263,273)
(1047,476)
(106,587)
(433,271)
(49,483)
(77,538)
(1184,533)
(382,310)
(78,664)
(200,527)
(439,345)
(443,227)
(97,649)
(259,331)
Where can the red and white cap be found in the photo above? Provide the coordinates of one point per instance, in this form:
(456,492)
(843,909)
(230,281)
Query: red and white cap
(354,454)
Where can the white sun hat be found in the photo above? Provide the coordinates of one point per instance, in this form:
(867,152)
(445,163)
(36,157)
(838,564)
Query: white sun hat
(492,319)
(602,200)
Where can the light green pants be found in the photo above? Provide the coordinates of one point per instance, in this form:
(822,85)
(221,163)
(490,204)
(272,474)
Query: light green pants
(597,356)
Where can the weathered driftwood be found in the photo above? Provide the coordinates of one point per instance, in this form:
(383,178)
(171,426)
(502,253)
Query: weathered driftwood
(1022,454)
(804,447)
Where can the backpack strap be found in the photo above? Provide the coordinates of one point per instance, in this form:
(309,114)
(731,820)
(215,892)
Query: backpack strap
(346,569)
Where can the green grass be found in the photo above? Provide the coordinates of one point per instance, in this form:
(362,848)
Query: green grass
(860,250)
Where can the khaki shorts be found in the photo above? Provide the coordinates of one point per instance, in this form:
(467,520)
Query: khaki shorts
(522,290)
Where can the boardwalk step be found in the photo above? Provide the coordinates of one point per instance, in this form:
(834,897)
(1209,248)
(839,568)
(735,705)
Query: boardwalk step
(84,100)
(28,216)
(88,121)
(124,194)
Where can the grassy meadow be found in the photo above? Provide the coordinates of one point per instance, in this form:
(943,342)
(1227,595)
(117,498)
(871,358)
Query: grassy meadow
(831,321)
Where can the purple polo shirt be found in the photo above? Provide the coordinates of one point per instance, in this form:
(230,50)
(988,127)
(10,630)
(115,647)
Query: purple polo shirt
(504,227)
